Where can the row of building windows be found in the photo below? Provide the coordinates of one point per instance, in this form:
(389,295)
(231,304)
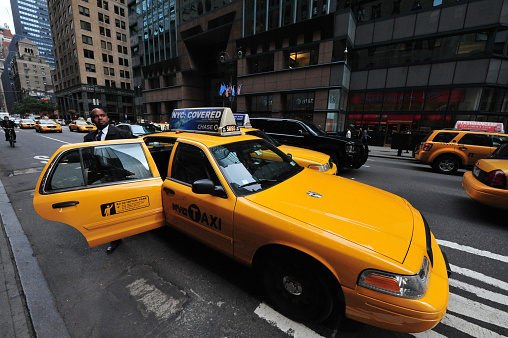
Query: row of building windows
(431,49)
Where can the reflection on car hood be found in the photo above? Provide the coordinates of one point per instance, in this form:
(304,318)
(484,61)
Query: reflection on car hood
(307,154)
(373,218)
(489,165)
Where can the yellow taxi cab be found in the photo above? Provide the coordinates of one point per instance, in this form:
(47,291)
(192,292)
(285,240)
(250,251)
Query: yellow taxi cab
(26,124)
(44,125)
(82,126)
(307,234)
(487,183)
(305,157)
(450,149)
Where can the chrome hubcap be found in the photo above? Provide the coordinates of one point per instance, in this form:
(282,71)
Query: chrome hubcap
(292,286)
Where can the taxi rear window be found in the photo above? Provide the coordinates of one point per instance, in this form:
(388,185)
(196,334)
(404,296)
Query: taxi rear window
(94,166)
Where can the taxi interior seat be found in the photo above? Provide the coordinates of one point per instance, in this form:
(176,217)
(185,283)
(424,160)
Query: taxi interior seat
(161,159)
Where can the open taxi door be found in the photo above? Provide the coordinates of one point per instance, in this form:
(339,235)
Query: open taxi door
(106,190)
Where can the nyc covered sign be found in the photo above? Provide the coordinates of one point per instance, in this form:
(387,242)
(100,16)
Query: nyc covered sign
(216,120)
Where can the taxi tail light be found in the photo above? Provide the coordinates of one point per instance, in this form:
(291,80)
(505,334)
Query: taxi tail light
(427,146)
(404,286)
(496,179)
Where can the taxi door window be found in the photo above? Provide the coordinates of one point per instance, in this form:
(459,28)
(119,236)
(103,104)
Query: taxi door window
(93,166)
(191,164)
(444,137)
(476,140)
(498,140)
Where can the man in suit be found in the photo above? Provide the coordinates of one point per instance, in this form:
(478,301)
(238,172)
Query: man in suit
(105,131)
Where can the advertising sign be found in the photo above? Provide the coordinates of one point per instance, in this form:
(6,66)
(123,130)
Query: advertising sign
(218,120)
(242,120)
(494,127)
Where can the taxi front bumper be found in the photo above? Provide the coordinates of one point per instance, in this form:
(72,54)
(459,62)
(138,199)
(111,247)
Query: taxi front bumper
(422,156)
(50,129)
(484,194)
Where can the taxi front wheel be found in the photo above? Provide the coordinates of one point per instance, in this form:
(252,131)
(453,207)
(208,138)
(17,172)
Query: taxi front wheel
(298,288)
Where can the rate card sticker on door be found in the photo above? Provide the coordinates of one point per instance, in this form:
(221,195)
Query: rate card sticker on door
(127,205)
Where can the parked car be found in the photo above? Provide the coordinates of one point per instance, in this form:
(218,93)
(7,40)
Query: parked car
(447,150)
(346,153)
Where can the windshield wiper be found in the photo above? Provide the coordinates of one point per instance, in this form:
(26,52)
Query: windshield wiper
(258,182)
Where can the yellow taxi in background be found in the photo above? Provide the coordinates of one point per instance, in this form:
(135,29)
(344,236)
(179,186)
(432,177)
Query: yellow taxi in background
(305,157)
(26,124)
(44,125)
(488,183)
(448,150)
(82,126)
(307,234)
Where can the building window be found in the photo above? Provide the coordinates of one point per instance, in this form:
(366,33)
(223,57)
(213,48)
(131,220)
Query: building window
(106,70)
(88,53)
(89,67)
(303,58)
(84,11)
(86,25)
(87,40)
(91,80)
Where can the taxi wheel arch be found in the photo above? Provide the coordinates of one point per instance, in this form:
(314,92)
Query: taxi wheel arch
(297,285)
(446,164)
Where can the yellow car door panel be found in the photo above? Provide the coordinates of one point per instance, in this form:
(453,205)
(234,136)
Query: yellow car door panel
(106,190)
(204,216)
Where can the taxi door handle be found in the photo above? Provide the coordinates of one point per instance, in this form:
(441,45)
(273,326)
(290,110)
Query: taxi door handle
(64,204)
(168,191)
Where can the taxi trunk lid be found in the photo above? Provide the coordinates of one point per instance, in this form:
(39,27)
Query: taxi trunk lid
(365,215)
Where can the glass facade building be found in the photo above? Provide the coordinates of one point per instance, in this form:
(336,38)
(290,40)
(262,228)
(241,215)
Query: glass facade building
(31,20)
(389,66)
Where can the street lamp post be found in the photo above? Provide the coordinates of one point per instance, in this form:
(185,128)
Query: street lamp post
(230,62)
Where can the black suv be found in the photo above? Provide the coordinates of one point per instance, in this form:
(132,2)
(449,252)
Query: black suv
(346,153)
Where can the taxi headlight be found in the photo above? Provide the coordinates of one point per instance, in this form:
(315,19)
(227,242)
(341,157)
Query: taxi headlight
(412,287)
(320,167)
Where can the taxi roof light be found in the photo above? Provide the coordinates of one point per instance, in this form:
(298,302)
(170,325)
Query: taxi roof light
(207,120)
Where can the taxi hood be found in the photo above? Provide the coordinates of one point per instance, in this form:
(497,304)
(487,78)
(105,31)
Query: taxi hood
(370,217)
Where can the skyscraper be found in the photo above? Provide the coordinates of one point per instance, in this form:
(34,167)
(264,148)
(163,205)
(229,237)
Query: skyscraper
(31,20)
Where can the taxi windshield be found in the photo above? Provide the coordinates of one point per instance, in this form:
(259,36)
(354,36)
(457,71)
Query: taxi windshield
(82,122)
(253,166)
(261,134)
(47,122)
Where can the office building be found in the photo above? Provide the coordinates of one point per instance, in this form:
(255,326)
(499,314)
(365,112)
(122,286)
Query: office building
(92,58)
(390,66)
(31,20)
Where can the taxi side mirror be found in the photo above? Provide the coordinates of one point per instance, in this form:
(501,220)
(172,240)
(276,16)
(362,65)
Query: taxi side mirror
(206,186)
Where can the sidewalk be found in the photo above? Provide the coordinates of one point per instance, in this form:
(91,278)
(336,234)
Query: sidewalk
(378,151)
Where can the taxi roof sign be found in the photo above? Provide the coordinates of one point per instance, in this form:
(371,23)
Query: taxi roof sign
(242,120)
(483,126)
(210,120)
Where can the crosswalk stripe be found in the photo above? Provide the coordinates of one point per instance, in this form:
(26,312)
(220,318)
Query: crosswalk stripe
(476,310)
(471,250)
(479,276)
(469,328)
(482,293)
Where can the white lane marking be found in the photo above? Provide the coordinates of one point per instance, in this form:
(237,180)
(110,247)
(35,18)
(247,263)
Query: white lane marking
(472,309)
(471,329)
(42,158)
(54,139)
(471,250)
(482,293)
(26,171)
(480,276)
(153,299)
(284,324)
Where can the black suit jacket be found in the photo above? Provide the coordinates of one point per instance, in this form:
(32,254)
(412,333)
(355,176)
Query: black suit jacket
(114,133)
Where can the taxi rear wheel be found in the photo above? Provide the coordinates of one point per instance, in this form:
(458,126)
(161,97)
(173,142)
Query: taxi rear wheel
(446,164)
(298,288)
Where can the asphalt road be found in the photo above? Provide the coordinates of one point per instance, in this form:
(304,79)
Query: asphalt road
(164,284)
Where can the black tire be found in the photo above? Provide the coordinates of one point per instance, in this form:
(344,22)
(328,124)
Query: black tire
(298,288)
(11,142)
(446,164)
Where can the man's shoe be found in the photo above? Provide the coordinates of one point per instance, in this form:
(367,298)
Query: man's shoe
(113,245)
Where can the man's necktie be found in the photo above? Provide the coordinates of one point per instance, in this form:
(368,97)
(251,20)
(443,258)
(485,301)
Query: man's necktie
(99,136)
